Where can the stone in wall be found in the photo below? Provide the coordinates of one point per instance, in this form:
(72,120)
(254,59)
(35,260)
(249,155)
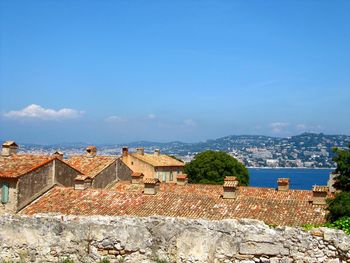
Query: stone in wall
(134,239)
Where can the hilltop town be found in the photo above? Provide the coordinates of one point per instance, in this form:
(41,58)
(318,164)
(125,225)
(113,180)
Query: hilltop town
(308,150)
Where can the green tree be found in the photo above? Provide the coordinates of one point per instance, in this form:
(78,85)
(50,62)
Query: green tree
(339,207)
(211,167)
(342,158)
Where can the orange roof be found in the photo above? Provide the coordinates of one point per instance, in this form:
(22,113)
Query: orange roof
(16,165)
(230,178)
(151,181)
(158,160)
(181,176)
(320,188)
(91,166)
(230,184)
(291,207)
(283,180)
(136,174)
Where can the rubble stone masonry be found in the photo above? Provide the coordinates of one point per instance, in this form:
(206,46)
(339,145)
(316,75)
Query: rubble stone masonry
(149,239)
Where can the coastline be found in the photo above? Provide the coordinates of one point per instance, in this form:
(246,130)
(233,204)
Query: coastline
(305,168)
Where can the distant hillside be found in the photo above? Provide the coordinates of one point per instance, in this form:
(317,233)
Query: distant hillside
(304,150)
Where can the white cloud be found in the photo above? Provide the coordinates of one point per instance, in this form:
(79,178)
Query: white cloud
(114,119)
(35,111)
(150,116)
(190,123)
(278,126)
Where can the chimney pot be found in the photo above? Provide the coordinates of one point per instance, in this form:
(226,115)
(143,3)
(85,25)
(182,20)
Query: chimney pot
(181,179)
(140,151)
(157,152)
(319,194)
(125,151)
(230,187)
(91,151)
(151,186)
(283,184)
(136,178)
(82,182)
(9,148)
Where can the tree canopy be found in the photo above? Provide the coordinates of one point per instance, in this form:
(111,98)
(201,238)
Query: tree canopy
(339,206)
(342,158)
(211,167)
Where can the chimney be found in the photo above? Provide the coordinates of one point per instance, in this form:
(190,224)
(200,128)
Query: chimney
(136,178)
(157,152)
(181,179)
(58,155)
(283,184)
(151,186)
(82,182)
(140,151)
(319,194)
(125,151)
(9,148)
(230,187)
(91,151)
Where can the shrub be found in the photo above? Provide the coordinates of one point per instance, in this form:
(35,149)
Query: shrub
(104,260)
(339,206)
(67,260)
(342,224)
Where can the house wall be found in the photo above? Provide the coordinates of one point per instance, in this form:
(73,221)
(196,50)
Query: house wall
(165,173)
(64,174)
(137,165)
(11,205)
(123,171)
(34,184)
(105,177)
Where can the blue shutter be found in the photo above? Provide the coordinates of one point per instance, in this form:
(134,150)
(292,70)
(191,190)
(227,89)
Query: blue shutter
(5,193)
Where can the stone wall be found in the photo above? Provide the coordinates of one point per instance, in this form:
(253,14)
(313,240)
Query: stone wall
(132,239)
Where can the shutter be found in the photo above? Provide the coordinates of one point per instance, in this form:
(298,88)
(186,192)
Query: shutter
(5,192)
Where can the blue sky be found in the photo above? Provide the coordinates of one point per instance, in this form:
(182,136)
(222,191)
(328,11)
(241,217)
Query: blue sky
(120,71)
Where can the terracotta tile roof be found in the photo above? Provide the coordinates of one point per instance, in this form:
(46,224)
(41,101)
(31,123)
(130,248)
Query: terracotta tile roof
(90,166)
(136,174)
(283,180)
(291,207)
(16,165)
(231,184)
(320,188)
(230,178)
(181,176)
(151,181)
(10,143)
(158,160)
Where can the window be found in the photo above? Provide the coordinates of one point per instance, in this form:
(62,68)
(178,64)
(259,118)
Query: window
(5,193)
(171,176)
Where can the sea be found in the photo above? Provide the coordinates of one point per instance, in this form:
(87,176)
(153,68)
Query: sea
(302,179)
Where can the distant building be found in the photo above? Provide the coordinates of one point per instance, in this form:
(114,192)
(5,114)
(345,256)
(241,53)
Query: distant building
(272,162)
(156,165)
(24,177)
